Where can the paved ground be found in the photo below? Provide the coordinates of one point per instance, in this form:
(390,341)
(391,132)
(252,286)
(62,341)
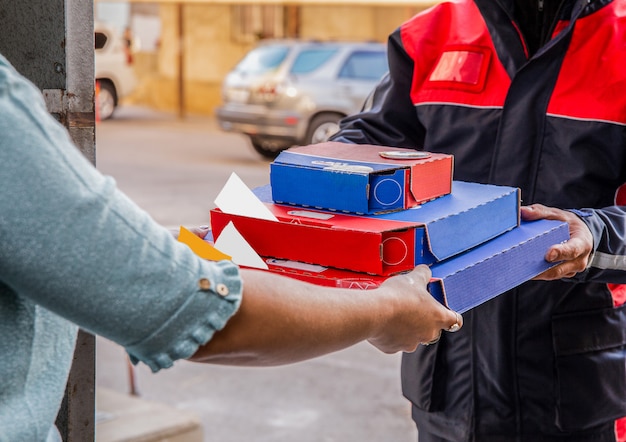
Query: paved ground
(174,169)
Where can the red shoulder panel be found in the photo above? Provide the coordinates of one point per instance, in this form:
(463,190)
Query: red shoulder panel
(455,60)
(592,81)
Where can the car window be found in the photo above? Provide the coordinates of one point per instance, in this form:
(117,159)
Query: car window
(310,59)
(262,59)
(100,40)
(365,65)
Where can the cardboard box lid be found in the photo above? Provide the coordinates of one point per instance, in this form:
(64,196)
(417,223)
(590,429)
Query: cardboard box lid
(477,212)
(470,215)
(356,178)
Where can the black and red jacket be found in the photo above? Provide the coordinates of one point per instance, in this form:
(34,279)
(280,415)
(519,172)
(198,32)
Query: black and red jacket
(546,361)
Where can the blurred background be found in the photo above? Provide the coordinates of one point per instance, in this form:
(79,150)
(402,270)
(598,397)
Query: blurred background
(182,51)
(281,72)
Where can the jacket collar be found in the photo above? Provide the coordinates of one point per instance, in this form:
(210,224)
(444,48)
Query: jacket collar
(570,9)
(511,50)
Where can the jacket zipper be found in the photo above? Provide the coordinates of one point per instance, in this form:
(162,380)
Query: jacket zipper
(540,5)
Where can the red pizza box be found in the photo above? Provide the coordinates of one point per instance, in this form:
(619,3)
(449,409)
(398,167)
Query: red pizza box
(379,244)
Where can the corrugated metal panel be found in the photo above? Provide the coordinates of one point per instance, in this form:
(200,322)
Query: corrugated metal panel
(32,38)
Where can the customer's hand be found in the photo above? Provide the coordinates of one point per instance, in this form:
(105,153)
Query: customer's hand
(198,231)
(417,318)
(574,253)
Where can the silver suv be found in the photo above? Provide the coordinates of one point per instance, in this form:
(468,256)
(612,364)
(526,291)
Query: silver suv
(293,92)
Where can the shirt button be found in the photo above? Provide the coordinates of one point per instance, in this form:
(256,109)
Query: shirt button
(204,284)
(222,289)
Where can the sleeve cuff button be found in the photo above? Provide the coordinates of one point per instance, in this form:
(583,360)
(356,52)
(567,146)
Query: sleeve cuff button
(222,290)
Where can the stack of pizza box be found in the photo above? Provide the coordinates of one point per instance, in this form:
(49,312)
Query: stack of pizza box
(352,215)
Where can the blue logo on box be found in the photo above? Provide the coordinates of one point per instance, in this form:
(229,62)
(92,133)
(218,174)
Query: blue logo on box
(387,191)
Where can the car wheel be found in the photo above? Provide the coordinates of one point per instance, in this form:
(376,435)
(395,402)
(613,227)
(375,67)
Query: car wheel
(106,100)
(268,147)
(322,127)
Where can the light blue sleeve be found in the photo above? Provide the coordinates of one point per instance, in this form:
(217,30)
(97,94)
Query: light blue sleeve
(74,244)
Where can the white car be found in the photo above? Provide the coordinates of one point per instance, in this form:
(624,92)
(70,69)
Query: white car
(115,77)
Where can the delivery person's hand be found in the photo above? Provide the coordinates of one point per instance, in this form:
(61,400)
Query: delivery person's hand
(574,253)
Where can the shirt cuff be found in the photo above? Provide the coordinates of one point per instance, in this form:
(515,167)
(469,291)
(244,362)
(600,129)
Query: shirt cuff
(214,301)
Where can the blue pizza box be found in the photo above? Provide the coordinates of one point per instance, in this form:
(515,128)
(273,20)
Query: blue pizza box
(358,179)
(469,279)
(462,282)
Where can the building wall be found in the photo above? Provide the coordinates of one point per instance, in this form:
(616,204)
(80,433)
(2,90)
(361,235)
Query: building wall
(352,23)
(210,51)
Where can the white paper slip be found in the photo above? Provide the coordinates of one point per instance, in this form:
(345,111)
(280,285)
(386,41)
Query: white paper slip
(232,243)
(236,198)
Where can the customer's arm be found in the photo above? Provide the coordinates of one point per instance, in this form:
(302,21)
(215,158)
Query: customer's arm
(72,243)
(282,320)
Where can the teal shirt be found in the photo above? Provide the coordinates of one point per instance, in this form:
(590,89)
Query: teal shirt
(75,252)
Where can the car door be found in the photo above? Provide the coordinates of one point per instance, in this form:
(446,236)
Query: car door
(359,73)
